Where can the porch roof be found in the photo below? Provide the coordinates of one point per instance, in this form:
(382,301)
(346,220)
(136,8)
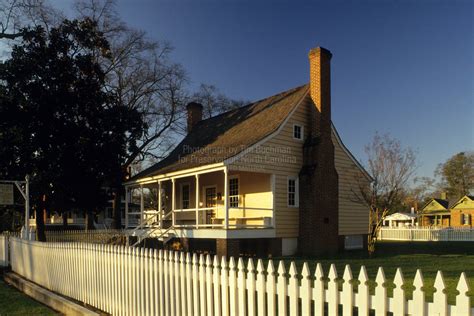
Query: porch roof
(221,137)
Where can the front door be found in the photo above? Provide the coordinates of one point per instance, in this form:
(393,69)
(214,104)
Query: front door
(211,201)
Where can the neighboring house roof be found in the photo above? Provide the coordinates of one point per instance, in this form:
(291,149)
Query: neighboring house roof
(400,217)
(469,198)
(435,205)
(223,136)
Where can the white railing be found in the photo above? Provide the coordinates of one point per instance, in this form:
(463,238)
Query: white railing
(239,217)
(99,236)
(426,234)
(4,251)
(131,281)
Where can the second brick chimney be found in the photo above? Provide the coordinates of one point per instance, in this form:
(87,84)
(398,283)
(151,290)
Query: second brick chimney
(194,114)
(319,187)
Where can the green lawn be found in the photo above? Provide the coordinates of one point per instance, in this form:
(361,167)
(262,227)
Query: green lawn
(13,302)
(451,258)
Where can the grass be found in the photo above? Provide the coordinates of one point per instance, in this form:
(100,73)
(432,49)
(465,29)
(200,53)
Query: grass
(13,302)
(452,258)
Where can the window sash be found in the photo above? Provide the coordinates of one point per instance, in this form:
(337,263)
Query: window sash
(234,192)
(185,196)
(292,192)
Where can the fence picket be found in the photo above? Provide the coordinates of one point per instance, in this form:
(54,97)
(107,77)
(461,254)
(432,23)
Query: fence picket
(399,308)
(271,289)
(440,300)
(347,292)
(282,290)
(318,291)
(363,296)
(217,289)
(225,287)
(189,284)
(196,300)
(251,286)
(209,291)
(418,295)
(242,308)
(130,281)
(463,301)
(293,290)
(333,292)
(232,288)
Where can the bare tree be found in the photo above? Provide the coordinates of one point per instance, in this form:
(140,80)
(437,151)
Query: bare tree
(391,167)
(214,102)
(15,15)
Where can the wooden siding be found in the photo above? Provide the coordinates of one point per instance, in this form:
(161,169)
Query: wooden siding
(353,216)
(281,155)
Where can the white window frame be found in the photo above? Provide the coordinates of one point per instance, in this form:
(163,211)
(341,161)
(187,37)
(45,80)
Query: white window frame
(236,176)
(181,186)
(301,131)
(297,194)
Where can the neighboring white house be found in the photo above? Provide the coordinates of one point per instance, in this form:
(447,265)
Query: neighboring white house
(400,220)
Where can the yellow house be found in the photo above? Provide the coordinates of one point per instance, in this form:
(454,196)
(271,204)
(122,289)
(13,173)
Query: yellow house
(269,178)
(436,213)
(462,212)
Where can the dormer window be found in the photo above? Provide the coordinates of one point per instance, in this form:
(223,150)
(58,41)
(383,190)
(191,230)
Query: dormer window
(297,132)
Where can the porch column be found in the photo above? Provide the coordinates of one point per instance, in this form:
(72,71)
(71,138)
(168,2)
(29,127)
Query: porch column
(126,207)
(226,199)
(173,200)
(197,201)
(142,205)
(160,214)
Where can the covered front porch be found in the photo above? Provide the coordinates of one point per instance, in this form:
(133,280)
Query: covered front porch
(206,199)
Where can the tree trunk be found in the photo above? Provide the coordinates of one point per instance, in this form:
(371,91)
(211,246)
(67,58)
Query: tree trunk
(40,235)
(117,209)
(89,221)
(64,220)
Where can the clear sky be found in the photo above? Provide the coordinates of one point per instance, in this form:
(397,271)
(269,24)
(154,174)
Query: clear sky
(402,67)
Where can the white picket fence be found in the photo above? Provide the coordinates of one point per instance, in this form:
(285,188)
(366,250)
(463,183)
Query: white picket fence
(136,281)
(426,234)
(3,251)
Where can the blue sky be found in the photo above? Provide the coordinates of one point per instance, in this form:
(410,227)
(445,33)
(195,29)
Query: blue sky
(401,67)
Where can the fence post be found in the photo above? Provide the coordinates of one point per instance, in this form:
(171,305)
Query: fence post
(306,290)
(271,288)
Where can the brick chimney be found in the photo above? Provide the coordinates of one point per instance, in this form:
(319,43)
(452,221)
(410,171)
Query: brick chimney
(194,114)
(319,191)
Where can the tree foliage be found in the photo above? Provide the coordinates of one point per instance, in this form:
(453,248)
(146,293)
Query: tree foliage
(59,123)
(457,175)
